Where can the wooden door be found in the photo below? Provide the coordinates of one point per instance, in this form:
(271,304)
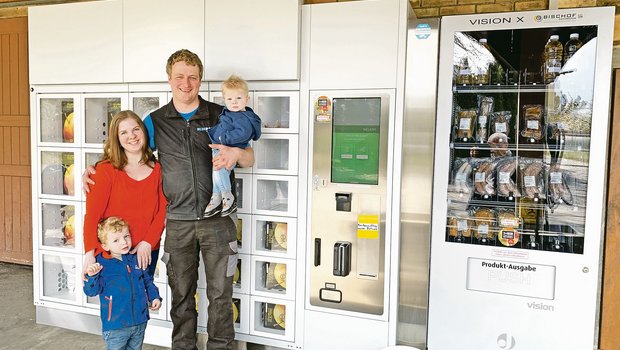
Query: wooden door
(15,176)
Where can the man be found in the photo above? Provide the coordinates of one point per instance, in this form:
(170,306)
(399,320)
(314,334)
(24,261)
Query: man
(179,133)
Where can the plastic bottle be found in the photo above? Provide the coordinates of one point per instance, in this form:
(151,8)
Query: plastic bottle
(572,46)
(553,58)
(464,74)
(482,77)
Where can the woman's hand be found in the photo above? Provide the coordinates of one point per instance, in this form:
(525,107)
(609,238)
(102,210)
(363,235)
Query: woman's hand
(89,259)
(143,252)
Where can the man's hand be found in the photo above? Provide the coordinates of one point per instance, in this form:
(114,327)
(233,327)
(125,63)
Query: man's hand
(93,269)
(155,305)
(86,178)
(229,156)
(143,252)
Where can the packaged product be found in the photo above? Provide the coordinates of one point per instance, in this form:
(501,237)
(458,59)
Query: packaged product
(500,122)
(484,177)
(532,173)
(532,127)
(485,108)
(465,124)
(484,223)
(462,179)
(506,169)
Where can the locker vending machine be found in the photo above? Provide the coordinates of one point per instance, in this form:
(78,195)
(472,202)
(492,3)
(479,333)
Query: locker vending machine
(519,181)
(349,193)
(353,75)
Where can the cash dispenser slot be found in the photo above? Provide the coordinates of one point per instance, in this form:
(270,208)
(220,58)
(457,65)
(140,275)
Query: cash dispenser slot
(342,258)
(317,251)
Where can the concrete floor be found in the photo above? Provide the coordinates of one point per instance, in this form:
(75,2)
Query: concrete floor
(19,330)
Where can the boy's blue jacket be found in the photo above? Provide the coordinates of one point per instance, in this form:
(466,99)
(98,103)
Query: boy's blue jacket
(236,129)
(125,291)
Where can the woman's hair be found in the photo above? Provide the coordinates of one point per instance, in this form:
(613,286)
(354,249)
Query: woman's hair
(112,149)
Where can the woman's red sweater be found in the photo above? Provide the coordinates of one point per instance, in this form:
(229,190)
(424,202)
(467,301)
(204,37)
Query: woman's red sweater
(141,203)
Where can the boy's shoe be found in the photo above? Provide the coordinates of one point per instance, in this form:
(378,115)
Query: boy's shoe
(229,206)
(214,206)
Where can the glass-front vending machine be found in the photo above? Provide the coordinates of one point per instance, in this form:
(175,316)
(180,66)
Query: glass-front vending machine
(519,182)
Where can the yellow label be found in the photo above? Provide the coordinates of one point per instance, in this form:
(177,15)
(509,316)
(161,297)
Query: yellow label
(368,226)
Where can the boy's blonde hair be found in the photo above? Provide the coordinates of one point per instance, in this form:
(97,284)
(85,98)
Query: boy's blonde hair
(109,225)
(235,82)
(184,55)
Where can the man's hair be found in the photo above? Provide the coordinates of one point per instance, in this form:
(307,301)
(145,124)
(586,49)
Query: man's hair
(184,55)
(235,82)
(112,149)
(109,225)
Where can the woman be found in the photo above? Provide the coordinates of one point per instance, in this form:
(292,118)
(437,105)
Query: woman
(128,185)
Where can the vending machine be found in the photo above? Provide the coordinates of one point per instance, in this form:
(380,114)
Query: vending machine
(519,180)
(353,97)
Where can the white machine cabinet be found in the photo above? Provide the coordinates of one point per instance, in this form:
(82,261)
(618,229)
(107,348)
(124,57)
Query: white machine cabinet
(70,123)
(151,32)
(265,44)
(76,43)
(519,182)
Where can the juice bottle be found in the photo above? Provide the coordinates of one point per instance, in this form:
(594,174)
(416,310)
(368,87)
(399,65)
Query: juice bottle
(464,72)
(553,58)
(482,77)
(572,46)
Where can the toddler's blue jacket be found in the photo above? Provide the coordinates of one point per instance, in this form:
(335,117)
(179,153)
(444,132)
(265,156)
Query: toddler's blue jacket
(125,292)
(236,129)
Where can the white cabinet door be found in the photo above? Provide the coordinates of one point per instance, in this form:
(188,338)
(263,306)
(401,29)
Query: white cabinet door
(354,44)
(258,40)
(76,43)
(154,29)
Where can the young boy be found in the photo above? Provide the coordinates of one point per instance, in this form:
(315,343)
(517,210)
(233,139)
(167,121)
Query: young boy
(122,286)
(237,125)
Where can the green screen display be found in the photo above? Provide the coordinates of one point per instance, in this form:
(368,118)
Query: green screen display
(355,140)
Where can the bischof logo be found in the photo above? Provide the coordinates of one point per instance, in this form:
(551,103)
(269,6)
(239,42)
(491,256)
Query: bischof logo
(506,342)
(538,18)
